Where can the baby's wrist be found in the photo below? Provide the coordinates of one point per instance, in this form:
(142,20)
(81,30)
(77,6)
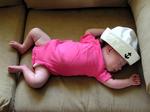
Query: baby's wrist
(129,81)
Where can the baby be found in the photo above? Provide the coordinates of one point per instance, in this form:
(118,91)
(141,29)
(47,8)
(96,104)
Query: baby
(86,57)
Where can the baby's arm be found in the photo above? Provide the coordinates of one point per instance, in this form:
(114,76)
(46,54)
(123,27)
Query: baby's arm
(134,80)
(95,31)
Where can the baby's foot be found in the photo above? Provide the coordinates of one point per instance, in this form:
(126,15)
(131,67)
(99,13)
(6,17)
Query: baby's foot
(14,69)
(17,46)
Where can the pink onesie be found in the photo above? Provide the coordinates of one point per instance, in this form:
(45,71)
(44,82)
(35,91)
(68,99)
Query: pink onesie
(70,58)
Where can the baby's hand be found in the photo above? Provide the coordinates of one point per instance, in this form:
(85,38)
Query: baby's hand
(135,79)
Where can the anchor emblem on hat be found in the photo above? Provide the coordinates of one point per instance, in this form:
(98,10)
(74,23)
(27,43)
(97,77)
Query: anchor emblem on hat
(128,55)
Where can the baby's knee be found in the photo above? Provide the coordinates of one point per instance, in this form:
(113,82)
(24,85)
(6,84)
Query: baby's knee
(39,80)
(34,31)
(36,84)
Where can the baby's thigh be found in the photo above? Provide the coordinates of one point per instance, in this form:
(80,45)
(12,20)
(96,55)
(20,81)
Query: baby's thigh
(41,41)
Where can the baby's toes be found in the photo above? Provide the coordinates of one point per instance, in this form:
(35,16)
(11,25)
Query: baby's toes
(13,69)
(13,44)
(10,69)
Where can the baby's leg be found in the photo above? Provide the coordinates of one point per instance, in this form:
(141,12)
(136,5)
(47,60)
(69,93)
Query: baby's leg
(35,79)
(35,37)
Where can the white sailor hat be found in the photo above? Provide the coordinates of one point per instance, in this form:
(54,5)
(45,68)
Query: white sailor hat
(124,41)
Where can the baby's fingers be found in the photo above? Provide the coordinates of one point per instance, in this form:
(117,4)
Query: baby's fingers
(137,81)
(135,75)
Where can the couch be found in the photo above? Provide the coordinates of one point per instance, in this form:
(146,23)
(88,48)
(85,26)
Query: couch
(68,19)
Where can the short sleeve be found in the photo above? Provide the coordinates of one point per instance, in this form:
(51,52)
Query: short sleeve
(87,37)
(103,77)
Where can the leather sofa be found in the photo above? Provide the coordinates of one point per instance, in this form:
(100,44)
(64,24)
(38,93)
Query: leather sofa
(68,19)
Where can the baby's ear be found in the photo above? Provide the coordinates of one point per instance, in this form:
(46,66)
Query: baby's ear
(109,49)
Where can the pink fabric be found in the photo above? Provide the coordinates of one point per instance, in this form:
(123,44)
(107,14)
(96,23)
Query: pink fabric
(70,58)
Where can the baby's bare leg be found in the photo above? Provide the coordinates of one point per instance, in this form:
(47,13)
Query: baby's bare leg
(35,37)
(35,79)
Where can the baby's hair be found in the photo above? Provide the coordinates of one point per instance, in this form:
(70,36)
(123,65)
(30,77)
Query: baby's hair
(103,43)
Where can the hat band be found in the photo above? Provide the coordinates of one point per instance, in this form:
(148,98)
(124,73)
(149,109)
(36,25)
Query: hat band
(125,50)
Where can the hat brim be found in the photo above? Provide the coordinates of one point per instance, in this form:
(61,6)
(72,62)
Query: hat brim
(125,50)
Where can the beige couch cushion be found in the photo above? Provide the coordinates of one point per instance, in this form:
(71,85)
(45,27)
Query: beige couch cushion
(54,4)
(11,28)
(79,94)
(10,2)
(141,13)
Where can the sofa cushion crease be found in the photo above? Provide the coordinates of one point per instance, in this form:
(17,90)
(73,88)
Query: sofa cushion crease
(69,4)
(11,28)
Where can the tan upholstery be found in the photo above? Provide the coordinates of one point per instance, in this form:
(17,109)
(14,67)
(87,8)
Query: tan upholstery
(10,2)
(141,14)
(11,28)
(60,4)
(79,94)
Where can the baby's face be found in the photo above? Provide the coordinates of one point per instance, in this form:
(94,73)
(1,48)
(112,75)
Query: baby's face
(114,62)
